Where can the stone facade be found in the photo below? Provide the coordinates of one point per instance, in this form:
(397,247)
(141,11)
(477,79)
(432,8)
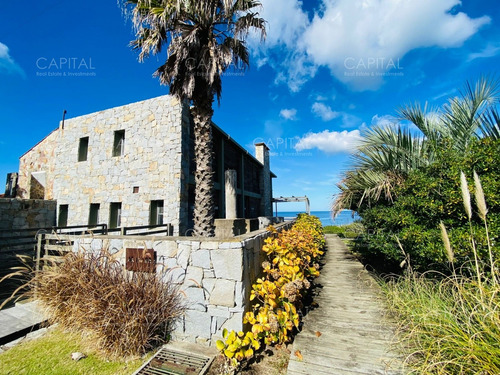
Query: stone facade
(153,132)
(214,275)
(122,161)
(40,160)
(26,213)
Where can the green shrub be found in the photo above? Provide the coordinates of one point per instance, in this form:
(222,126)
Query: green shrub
(431,195)
(451,325)
(352,230)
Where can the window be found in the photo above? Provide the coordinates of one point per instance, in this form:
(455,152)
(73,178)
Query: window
(119,143)
(94,213)
(83,149)
(156,213)
(115,215)
(62,220)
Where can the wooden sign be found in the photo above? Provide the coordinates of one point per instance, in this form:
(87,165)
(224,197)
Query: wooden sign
(140,260)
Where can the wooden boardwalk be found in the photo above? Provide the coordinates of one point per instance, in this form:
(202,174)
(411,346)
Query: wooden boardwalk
(348,333)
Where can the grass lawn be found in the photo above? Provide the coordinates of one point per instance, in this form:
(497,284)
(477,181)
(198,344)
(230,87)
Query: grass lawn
(51,355)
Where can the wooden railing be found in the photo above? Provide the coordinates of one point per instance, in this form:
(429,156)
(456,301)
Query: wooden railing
(39,244)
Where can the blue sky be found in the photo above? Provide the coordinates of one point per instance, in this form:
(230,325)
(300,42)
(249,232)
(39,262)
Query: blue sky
(328,70)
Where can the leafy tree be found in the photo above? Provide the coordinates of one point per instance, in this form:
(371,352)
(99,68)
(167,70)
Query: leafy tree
(428,196)
(387,154)
(203,39)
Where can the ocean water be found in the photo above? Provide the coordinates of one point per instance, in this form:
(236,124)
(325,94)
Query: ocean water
(343,218)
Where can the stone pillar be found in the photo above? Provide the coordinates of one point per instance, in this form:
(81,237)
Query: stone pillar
(262,155)
(230,188)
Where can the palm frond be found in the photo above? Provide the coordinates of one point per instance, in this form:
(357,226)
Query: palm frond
(204,39)
(490,124)
(462,115)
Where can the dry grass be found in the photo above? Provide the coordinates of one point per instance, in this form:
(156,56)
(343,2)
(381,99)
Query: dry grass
(125,313)
(450,325)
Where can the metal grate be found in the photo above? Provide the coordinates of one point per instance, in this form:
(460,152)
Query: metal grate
(170,362)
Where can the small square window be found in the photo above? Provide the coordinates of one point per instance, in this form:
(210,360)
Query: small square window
(83,149)
(119,143)
(135,190)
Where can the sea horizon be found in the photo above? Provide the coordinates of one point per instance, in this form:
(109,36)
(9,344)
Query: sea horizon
(343,218)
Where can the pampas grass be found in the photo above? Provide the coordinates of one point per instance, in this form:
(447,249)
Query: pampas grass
(450,325)
(483,211)
(468,209)
(446,241)
(122,313)
(465,195)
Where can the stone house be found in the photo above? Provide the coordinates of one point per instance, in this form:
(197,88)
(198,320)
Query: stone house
(133,165)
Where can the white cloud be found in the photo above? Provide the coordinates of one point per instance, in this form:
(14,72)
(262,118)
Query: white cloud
(355,38)
(289,114)
(385,120)
(489,51)
(330,142)
(7,63)
(324,111)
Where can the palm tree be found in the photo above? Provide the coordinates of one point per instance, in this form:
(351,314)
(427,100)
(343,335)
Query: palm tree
(203,38)
(387,153)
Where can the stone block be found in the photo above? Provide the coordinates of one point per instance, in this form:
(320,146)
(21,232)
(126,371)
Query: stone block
(227,228)
(234,323)
(230,245)
(183,255)
(194,277)
(228,263)
(209,245)
(249,244)
(223,293)
(208,286)
(219,311)
(201,258)
(195,298)
(239,294)
(197,323)
(165,248)
(177,275)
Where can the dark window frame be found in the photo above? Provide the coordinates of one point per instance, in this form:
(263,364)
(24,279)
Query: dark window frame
(94,211)
(119,143)
(62,217)
(83,149)
(156,212)
(115,215)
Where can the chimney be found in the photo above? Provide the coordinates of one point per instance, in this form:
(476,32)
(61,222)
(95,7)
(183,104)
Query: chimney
(262,155)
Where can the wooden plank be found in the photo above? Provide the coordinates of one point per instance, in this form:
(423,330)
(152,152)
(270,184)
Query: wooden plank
(53,258)
(349,332)
(63,248)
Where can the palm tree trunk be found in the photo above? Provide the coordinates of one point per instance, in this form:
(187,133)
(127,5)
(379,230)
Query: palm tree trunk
(204,202)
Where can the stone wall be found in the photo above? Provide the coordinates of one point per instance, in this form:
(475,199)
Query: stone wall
(150,168)
(40,159)
(215,275)
(26,213)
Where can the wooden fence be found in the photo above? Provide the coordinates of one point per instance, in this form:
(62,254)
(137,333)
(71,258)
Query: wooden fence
(38,244)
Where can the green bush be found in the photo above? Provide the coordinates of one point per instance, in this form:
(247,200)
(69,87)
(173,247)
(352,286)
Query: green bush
(430,195)
(352,230)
